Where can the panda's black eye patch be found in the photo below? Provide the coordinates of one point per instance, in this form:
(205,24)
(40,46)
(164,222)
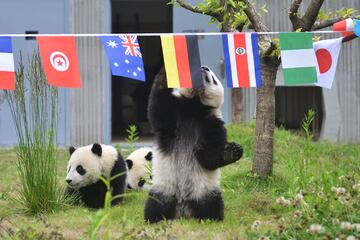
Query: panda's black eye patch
(214,80)
(149,156)
(207,79)
(141,182)
(80,170)
(129,163)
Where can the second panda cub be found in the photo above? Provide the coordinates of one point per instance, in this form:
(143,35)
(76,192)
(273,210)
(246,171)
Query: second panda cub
(86,166)
(139,168)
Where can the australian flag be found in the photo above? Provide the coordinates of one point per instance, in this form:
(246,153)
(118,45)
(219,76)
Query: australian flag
(125,56)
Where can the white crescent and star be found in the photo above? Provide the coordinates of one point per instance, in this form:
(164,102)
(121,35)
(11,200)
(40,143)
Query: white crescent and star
(59,61)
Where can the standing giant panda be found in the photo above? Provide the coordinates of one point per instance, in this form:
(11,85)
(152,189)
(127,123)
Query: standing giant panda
(86,165)
(191,146)
(138,163)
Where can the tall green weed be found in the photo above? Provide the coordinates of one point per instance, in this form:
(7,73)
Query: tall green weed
(34,109)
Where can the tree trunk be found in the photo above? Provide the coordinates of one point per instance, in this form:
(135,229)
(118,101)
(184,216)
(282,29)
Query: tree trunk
(265,119)
(237,106)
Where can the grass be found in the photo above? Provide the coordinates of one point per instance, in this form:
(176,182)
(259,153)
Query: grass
(33,107)
(252,208)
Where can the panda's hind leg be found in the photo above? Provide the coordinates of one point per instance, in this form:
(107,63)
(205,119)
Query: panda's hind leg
(159,207)
(210,206)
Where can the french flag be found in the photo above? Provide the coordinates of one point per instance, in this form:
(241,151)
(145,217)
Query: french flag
(241,53)
(7,69)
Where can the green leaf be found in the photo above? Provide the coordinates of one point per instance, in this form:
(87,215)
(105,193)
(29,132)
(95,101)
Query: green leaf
(171,2)
(231,3)
(322,16)
(263,8)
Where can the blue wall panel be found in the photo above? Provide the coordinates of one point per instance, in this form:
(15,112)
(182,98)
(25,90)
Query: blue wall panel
(45,16)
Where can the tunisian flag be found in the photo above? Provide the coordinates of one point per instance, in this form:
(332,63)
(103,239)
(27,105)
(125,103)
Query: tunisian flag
(59,59)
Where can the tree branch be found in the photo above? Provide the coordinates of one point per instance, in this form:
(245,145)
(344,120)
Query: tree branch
(259,26)
(269,50)
(254,17)
(326,23)
(294,14)
(311,14)
(329,23)
(188,6)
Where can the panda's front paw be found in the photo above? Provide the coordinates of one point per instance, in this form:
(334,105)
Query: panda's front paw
(233,152)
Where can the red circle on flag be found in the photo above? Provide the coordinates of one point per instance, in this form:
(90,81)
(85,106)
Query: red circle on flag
(324,59)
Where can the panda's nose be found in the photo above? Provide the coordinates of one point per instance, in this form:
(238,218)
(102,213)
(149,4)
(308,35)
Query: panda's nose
(205,68)
(68,181)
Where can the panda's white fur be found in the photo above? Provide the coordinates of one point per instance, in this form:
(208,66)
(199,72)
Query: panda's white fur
(190,148)
(95,166)
(169,173)
(85,167)
(212,94)
(138,163)
(170,170)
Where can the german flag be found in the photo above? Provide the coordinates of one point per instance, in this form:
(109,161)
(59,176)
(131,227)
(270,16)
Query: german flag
(182,61)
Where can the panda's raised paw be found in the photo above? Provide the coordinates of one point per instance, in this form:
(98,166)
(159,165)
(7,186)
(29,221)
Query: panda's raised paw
(232,152)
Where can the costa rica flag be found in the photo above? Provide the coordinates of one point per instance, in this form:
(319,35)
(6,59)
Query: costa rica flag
(60,61)
(242,62)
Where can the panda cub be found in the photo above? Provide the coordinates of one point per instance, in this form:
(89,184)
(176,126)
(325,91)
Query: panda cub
(138,163)
(86,165)
(190,148)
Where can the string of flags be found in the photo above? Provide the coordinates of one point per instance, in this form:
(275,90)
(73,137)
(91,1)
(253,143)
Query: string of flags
(303,62)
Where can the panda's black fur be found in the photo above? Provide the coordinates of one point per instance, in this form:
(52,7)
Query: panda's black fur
(190,147)
(92,194)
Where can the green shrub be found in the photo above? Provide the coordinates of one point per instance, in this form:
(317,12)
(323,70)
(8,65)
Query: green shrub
(33,108)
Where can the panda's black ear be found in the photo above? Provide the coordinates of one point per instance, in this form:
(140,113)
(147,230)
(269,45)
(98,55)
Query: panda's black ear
(96,149)
(129,163)
(149,156)
(71,150)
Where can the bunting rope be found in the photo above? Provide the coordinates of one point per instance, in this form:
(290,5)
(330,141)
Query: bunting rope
(182,56)
(146,34)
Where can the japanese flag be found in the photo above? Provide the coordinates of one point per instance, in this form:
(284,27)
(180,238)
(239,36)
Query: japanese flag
(327,54)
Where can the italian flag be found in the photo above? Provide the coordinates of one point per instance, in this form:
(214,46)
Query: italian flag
(298,58)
